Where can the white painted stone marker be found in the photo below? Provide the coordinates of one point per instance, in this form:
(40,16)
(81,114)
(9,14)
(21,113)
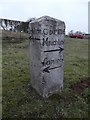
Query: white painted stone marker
(46,55)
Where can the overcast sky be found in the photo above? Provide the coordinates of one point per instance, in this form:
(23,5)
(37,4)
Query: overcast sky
(73,12)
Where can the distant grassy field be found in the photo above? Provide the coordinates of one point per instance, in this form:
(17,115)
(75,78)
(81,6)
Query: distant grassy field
(20,100)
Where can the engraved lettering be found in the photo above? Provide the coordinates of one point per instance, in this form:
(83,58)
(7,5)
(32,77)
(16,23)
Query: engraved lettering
(46,61)
(47,42)
(47,32)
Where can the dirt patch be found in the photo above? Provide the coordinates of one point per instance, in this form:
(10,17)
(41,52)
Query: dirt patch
(80,86)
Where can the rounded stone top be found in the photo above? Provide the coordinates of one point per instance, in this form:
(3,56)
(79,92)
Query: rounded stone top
(43,18)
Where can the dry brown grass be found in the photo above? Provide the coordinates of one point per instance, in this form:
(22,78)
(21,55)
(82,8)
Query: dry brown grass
(14,35)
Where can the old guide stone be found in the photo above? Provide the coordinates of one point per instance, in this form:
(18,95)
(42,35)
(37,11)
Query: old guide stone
(46,55)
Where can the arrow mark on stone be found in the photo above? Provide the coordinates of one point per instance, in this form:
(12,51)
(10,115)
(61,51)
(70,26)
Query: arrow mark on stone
(59,49)
(47,69)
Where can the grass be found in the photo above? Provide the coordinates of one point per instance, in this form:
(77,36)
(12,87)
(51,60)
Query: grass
(76,59)
(9,35)
(0,74)
(20,100)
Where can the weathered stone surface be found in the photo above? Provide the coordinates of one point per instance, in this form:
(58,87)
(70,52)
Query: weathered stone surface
(46,55)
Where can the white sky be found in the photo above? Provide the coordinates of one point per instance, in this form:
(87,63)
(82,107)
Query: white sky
(73,12)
